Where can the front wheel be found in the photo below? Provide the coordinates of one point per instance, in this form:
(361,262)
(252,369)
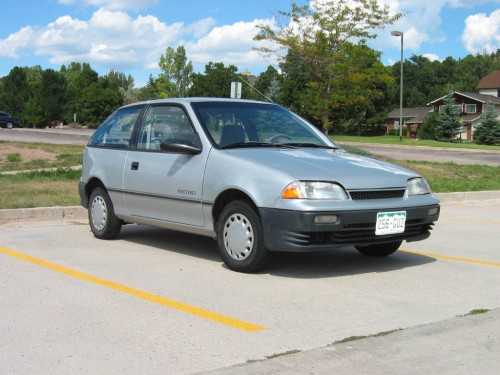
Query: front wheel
(240,238)
(103,222)
(9,125)
(379,250)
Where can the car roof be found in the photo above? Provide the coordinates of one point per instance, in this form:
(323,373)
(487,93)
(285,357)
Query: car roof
(195,100)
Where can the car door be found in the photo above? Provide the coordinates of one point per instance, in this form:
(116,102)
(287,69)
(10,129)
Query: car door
(160,185)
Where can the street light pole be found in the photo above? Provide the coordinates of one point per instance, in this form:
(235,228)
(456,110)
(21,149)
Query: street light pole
(400,34)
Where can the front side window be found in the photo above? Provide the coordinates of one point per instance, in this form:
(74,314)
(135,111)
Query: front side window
(116,130)
(165,124)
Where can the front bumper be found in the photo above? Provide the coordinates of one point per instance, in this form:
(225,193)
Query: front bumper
(287,230)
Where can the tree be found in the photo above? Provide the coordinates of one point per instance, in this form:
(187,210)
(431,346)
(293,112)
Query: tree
(428,128)
(33,111)
(216,82)
(175,79)
(150,91)
(15,91)
(97,101)
(449,125)
(269,83)
(52,96)
(78,77)
(320,36)
(488,132)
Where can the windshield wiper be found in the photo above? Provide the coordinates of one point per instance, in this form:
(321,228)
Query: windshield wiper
(310,145)
(257,144)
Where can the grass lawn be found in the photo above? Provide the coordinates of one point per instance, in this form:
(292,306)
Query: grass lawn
(394,140)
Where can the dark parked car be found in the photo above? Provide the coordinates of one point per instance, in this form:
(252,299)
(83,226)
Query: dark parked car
(8,121)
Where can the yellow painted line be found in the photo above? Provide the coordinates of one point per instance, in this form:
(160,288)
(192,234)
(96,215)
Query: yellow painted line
(439,256)
(470,221)
(234,323)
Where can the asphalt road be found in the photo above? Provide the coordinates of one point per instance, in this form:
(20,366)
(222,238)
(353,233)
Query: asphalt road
(156,301)
(435,154)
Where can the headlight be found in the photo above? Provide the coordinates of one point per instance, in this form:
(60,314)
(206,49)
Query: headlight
(313,190)
(417,186)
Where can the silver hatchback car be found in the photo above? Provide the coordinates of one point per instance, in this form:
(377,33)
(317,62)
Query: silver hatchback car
(253,175)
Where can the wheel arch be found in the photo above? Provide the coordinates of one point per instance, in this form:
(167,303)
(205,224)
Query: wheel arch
(228,196)
(91,185)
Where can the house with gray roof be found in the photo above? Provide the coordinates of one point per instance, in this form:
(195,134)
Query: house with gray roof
(472,105)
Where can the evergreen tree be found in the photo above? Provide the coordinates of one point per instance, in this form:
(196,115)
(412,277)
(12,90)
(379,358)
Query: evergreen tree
(488,132)
(449,125)
(428,129)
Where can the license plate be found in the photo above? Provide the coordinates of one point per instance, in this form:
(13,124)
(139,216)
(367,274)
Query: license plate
(390,223)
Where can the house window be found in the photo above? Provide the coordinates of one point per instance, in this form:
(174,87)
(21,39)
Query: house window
(470,108)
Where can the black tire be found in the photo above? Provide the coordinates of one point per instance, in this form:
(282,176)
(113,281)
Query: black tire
(9,125)
(103,222)
(379,250)
(240,238)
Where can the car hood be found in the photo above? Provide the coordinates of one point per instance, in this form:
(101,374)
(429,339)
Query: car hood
(349,170)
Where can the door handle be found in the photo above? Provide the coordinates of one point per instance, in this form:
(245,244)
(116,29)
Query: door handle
(134,166)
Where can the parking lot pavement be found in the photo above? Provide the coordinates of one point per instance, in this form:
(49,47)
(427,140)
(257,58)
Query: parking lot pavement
(156,301)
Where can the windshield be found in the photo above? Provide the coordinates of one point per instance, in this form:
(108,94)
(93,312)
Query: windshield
(245,124)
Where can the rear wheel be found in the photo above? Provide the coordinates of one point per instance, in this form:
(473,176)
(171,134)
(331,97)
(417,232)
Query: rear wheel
(379,250)
(240,238)
(103,222)
(9,125)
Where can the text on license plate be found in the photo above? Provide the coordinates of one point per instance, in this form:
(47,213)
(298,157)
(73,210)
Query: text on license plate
(390,223)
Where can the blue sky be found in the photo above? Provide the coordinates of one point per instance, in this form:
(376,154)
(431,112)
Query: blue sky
(130,35)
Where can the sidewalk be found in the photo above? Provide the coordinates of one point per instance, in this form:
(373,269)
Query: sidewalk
(462,345)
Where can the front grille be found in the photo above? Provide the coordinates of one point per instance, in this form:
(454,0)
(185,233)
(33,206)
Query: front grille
(377,194)
(359,234)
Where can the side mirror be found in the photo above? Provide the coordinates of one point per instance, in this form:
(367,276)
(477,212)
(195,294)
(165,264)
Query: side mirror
(178,146)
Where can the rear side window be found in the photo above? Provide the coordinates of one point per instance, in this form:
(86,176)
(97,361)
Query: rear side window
(116,130)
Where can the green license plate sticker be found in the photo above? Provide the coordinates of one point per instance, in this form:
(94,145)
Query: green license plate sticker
(390,223)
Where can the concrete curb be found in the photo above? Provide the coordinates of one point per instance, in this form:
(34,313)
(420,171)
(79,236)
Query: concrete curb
(69,213)
(43,214)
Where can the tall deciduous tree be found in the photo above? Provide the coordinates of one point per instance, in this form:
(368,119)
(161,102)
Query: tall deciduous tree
(216,82)
(324,35)
(175,78)
(15,91)
(52,95)
(78,77)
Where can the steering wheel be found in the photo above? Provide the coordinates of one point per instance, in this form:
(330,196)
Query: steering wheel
(276,138)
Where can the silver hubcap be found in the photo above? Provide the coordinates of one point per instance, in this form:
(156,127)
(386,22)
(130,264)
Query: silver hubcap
(99,212)
(238,237)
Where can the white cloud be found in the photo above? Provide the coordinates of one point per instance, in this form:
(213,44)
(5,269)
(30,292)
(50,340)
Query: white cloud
(116,40)
(112,4)
(11,46)
(482,33)
(432,57)
(109,40)
(231,44)
(469,3)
